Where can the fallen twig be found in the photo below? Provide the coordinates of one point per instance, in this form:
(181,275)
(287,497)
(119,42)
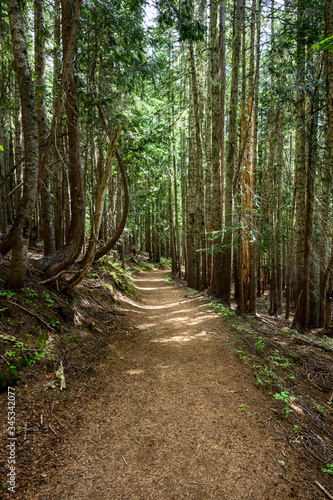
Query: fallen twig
(324,490)
(9,338)
(87,387)
(51,428)
(32,313)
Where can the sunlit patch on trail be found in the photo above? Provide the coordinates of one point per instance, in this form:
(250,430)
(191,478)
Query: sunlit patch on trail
(135,372)
(145,326)
(156,288)
(194,321)
(149,281)
(149,308)
(182,338)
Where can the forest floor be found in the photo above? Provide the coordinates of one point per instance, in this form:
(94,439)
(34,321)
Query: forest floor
(161,403)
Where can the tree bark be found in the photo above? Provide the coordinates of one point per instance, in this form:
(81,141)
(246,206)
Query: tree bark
(90,255)
(64,257)
(20,232)
(191,201)
(300,167)
(40,98)
(112,242)
(217,270)
(201,278)
(230,155)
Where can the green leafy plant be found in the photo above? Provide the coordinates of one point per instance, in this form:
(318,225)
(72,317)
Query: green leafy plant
(164,263)
(49,301)
(279,360)
(22,354)
(328,469)
(284,395)
(168,279)
(121,277)
(260,344)
(264,375)
(319,407)
(7,294)
(221,309)
(54,323)
(29,295)
(241,355)
(287,410)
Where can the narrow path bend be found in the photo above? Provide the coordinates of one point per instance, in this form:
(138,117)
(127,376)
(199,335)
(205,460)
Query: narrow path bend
(179,416)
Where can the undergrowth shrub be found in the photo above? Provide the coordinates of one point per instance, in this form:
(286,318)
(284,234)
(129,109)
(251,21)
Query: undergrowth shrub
(121,277)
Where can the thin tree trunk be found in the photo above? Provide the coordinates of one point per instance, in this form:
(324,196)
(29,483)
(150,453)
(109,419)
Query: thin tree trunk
(18,147)
(254,252)
(249,163)
(191,203)
(178,246)
(59,204)
(208,174)
(171,223)
(201,278)
(217,272)
(98,214)
(300,167)
(222,103)
(230,156)
(40,98)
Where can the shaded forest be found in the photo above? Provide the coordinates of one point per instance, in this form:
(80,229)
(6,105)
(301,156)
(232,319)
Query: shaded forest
(139,137)
(191,130)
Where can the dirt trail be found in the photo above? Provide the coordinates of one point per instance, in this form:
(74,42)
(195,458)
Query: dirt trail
(178,416)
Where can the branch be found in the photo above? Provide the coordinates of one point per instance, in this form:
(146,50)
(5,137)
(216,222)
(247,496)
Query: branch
(10,194)
(110,244)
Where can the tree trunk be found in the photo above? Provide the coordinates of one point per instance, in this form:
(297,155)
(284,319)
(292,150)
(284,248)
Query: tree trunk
(98,214)
(111,243)
(230,155)
(53,263)
(300,167)
(18,147)
(254,229)
(217,271)
(59,204)
(171,223)
(328,32)
(178,246)
(19,235)
(40,98)
(191,202)
(250,182)
(201,282)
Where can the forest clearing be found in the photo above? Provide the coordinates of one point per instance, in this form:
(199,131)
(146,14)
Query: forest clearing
(166,249)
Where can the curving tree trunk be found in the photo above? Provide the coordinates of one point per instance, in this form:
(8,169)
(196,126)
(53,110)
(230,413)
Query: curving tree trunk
(99,208)
(19,235)
(57,261)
